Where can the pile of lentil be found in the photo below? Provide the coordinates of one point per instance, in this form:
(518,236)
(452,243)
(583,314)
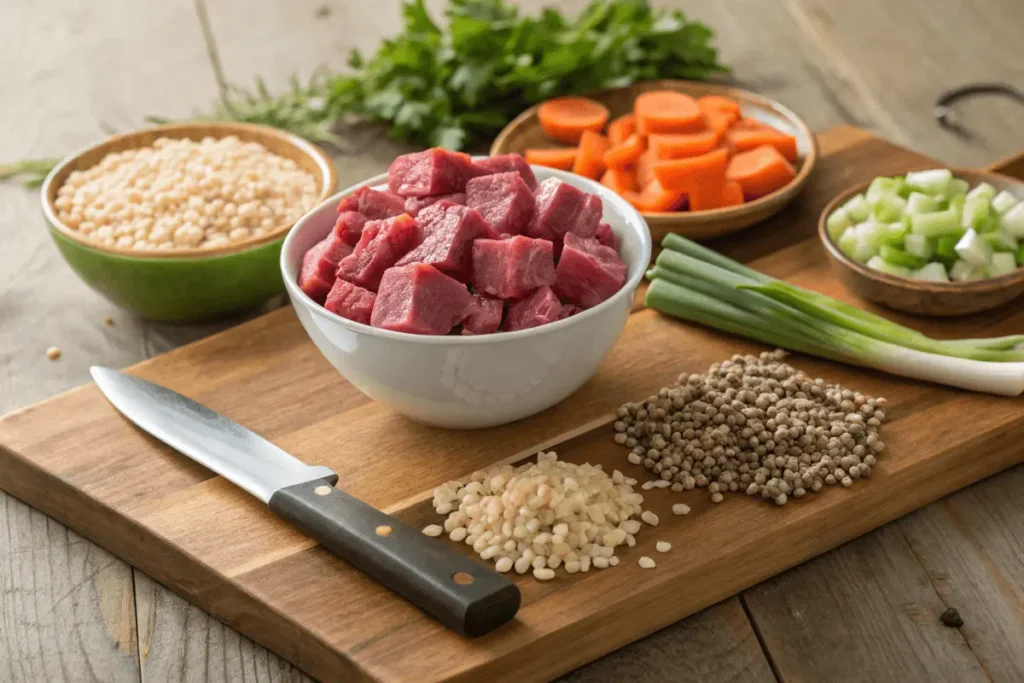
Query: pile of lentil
(183,193)
(753,424)
(543,515)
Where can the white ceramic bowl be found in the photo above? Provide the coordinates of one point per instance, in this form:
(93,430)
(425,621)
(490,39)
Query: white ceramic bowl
(472,381)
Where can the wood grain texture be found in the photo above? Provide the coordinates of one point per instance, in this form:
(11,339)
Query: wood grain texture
(716,644)
(71,69)
(861,48)
(971,547)
(869,602)
(92,460)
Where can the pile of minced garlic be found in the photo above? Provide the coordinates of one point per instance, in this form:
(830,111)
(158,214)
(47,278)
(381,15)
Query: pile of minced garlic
(180,193)
(543,515)
(753,424)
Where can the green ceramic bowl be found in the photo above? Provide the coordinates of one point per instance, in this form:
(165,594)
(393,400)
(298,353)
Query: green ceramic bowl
(184,285)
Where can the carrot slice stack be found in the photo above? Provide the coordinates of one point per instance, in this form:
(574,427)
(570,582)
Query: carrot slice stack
(685,174)
(590,159)
(760,171)
(561,158)
(667,111)
(565,118)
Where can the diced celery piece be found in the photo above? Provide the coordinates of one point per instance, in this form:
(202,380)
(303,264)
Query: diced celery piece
(838,222)
(976,213)
(957,188)
(898,257)
(880,264)
(956,205)
(945,248)
(1003,202)
(933,182)
(983,190)
(935,223)
(922,203)
(919,246)
(854,246)
(1000,240)
(1013,221)
(881,186)
(892,233)
(973,249)
(962,271)
(1001,264)
(888,208)
(933,272)
(858,208)
(990,224)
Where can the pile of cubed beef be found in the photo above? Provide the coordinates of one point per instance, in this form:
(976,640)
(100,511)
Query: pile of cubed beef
(464,247)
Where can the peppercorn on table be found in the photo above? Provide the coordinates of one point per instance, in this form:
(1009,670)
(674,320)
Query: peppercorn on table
(74,458)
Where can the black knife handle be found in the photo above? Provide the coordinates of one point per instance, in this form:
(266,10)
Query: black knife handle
(457,591)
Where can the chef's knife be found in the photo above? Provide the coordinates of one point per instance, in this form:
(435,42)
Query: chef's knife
(459,592)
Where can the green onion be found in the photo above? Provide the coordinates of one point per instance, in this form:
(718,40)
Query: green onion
(697,284)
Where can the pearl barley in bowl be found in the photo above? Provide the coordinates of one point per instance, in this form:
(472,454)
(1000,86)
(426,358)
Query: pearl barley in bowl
(184,222)
(413,336)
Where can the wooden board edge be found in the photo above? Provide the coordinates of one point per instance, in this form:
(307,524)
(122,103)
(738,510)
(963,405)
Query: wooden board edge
(202,586)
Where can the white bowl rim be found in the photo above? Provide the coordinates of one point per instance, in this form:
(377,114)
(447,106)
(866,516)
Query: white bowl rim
(633,220)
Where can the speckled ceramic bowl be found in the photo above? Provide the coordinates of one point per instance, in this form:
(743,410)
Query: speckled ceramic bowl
(183,285)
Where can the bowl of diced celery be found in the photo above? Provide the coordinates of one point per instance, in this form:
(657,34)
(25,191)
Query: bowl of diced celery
(934,242)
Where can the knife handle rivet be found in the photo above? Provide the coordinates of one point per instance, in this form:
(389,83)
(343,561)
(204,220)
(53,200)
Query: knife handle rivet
(384,530)
(322,490)
(462,578)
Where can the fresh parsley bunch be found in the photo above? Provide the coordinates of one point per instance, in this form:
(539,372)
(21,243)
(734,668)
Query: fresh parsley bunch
(456,83)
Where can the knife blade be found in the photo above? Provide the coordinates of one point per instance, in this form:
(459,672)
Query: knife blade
(459,592)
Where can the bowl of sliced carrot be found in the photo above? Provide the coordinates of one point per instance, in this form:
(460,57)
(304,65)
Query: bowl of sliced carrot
(697,159)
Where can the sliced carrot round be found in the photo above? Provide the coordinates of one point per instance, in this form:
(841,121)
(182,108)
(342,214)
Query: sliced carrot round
(718,103)
(561,158)
(624,153)
(679,145)
(590,159)
(746,140)
(565,118)
(667,111)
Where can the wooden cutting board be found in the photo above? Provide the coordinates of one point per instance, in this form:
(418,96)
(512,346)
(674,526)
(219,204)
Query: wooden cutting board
(76,459)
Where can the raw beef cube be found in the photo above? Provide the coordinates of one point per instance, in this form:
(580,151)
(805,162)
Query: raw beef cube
(434,171)
(413,205)
(569,310)
(373,204)
(311,281)
(562,208)
(606,237)
(588,272)
(419,299)
(503,199)
(350,226)
(449,231)
(503,163)
(484,315)
(511,268)
(380,246)
(350,301)
(538,308)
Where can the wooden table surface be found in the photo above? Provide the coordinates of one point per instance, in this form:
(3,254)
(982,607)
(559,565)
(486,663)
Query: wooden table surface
(868,611)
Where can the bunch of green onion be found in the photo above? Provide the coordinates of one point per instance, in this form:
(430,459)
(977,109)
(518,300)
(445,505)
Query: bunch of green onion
(696,284)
